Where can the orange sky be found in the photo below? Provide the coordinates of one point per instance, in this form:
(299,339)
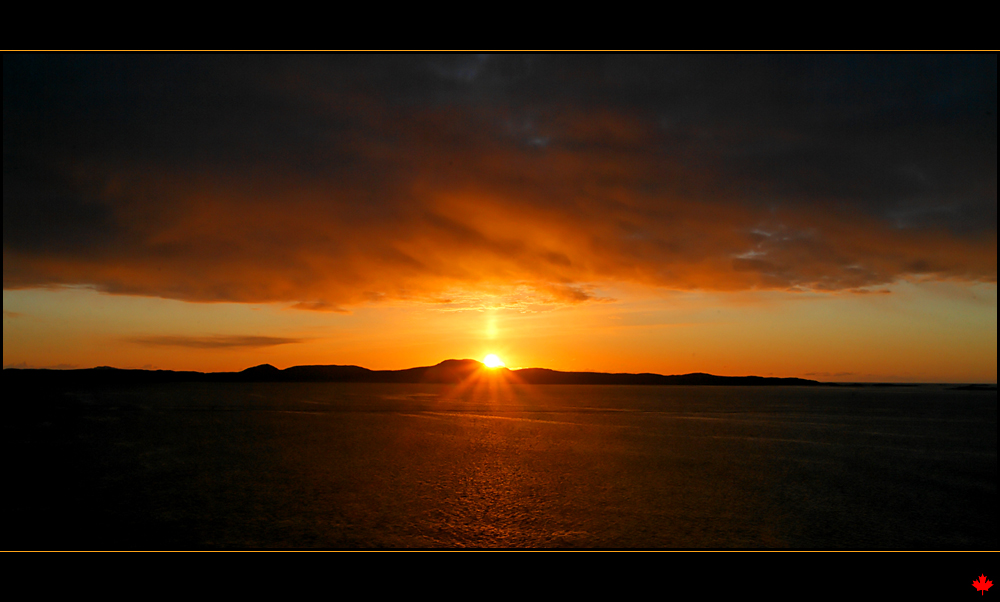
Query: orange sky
(823,217)
(938,332)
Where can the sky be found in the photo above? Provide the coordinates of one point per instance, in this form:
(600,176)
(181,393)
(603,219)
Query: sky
(825,216)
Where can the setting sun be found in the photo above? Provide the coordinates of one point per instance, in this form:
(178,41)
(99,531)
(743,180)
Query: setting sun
(492,361)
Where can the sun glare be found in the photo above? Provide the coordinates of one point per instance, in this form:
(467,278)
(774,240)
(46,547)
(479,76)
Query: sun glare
(492,361)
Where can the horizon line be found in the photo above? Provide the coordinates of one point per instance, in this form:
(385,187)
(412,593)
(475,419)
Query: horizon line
(153,369)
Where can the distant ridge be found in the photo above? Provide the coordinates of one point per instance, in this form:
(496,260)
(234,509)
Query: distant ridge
(448,371)
(544,376)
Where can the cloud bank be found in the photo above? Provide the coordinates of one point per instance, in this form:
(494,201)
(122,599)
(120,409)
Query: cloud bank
(334,180)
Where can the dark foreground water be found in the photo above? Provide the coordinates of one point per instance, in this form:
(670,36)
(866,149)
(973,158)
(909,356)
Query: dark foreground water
(437,466)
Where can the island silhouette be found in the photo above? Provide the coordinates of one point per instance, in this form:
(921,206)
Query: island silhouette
(449,371)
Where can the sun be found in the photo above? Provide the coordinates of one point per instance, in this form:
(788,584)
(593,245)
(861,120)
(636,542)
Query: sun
(492,361)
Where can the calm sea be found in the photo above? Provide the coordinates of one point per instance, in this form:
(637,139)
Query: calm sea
(509,466)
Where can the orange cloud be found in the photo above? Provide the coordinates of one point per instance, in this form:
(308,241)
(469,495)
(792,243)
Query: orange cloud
(396,198)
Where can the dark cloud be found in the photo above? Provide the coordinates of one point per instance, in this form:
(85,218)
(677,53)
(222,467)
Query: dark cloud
(330,180)
(212,342)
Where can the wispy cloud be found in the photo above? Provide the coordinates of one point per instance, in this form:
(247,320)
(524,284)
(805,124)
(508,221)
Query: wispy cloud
(27,366)
(829,374)
(212,342)
(320,306)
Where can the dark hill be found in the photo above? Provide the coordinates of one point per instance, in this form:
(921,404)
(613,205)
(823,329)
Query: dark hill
(453,371)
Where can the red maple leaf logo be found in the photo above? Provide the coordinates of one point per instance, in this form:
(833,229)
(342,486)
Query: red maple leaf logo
(982,585)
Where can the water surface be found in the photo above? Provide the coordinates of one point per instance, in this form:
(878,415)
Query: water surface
(332,465)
